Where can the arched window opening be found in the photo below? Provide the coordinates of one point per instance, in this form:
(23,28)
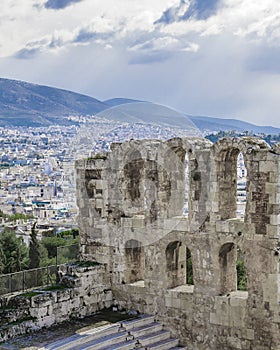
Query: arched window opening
(241,271)
(179,268)
(135,261)
(189,267)
(133,173)
(227,262)
(227,183)
(172,179)
(187,184)
(241,186)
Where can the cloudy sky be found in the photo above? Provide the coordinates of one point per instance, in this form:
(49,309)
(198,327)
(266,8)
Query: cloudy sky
(218,58)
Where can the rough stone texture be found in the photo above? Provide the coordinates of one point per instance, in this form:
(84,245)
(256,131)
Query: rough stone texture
(131,204)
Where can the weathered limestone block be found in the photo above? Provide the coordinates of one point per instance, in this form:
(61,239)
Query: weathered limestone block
(43,300)
(64,295)
(47,308)
(138,221)
(222,226)
(182,269)
(46,321)
(266,166)
(71,281)
(230,312)
(271,291)
(40,312)
(19,302)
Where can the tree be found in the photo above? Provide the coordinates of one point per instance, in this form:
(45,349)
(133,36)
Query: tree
(34,249)
(2,260)
(14,252)
(189,267)
(241,275)
(19,216)
(53,243)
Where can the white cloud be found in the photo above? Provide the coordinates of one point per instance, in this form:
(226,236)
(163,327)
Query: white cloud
(24,25)
(108,48)
(244,18)
(160,43)
(30,23)
(191,47)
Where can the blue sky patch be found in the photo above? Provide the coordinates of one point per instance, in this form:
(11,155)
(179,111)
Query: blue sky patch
(59,4)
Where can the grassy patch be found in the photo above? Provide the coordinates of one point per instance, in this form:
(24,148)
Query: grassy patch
(97,156)
(55,287)
(29,294)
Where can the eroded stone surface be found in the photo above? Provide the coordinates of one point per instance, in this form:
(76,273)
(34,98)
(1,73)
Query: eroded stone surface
(89,292)
(131,203)
(135,226)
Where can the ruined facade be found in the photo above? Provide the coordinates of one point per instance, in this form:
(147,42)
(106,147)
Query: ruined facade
(131,204)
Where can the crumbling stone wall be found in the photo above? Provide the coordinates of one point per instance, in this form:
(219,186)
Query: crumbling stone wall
(87,290)
(131,204)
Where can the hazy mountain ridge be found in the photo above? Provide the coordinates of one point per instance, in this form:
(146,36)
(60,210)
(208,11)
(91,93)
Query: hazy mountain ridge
(112,102)
(149,113)
(26,104)
(217,124)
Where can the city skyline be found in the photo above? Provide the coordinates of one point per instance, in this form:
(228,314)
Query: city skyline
(217,58)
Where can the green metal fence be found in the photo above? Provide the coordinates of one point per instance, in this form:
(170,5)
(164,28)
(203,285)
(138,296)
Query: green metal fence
(40,277)
(28,279)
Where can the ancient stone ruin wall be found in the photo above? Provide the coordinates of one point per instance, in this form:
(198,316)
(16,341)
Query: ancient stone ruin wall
(85,291)
(131,219)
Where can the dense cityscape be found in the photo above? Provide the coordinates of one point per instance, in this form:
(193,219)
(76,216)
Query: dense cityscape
(37,169)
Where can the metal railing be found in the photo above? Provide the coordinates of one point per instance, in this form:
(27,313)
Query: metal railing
(28,279)
(39,277)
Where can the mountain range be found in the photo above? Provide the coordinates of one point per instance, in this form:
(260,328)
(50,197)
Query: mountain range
(26,104)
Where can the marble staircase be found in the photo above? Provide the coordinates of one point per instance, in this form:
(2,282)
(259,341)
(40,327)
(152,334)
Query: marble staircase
(142,333)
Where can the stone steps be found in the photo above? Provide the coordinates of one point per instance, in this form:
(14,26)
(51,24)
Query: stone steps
(126,345)
(166,344)
(77,340)
(146,329)
(142,333)
(138,322)
(154,338)
(169,344)
(103,342)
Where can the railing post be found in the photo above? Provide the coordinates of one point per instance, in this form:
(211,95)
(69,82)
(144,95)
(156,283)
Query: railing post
(23,280)
(56,257)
